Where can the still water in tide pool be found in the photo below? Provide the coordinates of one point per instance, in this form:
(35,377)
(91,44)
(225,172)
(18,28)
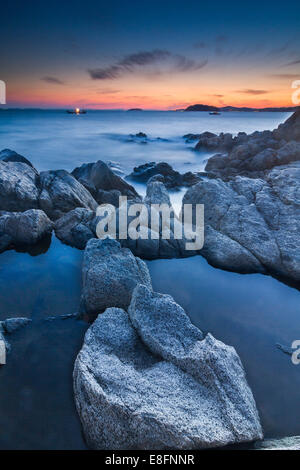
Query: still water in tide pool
(250,312)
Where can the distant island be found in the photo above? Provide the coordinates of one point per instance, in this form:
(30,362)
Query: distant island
(135,109)
(205,107)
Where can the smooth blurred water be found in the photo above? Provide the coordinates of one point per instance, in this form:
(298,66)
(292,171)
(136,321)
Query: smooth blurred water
(55,139)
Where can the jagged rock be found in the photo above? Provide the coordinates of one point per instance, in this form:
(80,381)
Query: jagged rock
(149,379)
(76,227)
(253,225)
(253,154)
(98,177)
(8,155)
(156,193)
(23,228)
(171,178)
(18,186)
(285,443)
(109,275)
(61,192)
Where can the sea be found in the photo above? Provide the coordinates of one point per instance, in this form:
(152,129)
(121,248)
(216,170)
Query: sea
(253,312)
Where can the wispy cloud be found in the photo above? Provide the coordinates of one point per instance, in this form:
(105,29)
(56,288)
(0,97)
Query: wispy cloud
(136,62)
(107,91)
(293,62)
(285,76)
(250,91)
(52,80)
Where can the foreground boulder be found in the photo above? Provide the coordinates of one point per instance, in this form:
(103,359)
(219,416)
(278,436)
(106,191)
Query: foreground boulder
(253,225)
(61,192)
(23,228)
(99,179)
(109,275)
(18,186)
(149,379)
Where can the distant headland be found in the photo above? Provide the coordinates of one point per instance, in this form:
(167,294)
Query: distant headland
(205,107)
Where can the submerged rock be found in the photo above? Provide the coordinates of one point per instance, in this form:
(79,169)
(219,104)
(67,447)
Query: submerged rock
(98,178)
(285,443)
(23,228)
(149,379)
(109,275)
(10,325)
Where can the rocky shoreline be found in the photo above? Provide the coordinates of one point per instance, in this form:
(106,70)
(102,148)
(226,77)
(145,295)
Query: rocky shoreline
(145,376)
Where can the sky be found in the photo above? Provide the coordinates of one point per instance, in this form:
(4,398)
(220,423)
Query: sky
(149,54)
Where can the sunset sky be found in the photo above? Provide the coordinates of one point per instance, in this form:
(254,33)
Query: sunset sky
(149,54)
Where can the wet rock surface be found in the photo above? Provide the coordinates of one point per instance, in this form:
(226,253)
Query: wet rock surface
(99,179)
(149,379)
(109,275)
(171,178)
(252,155)
(252,225)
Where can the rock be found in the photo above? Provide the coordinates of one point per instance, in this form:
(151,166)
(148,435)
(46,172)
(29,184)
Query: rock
(171,178)
(8,155)
(285,443)
(10,325)
(208,141)
(76,228)
(18,186)
(61,192)
(157,194)
(109,275)
(98,177)
(251,155)
(149,379)
(253,225)
(24,228)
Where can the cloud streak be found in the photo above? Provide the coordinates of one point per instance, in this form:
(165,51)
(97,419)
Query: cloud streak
(250,91)
(52,80)
(133,63)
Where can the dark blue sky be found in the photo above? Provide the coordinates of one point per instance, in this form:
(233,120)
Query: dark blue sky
(65,40)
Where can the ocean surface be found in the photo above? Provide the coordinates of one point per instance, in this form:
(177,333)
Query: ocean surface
(250,312)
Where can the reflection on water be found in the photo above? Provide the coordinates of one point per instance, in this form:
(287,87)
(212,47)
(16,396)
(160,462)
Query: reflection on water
(37,410)
(252,313)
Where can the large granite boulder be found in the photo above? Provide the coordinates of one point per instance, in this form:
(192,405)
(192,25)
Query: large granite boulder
(23,228)
(18,186)
(109,275)
(98,177)
(149,379)
(253,225)
(61,192)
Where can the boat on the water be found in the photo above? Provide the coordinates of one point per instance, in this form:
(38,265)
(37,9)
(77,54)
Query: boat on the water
(215,113)
(76,111)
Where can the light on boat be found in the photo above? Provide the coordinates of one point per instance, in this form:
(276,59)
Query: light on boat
(77,110)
